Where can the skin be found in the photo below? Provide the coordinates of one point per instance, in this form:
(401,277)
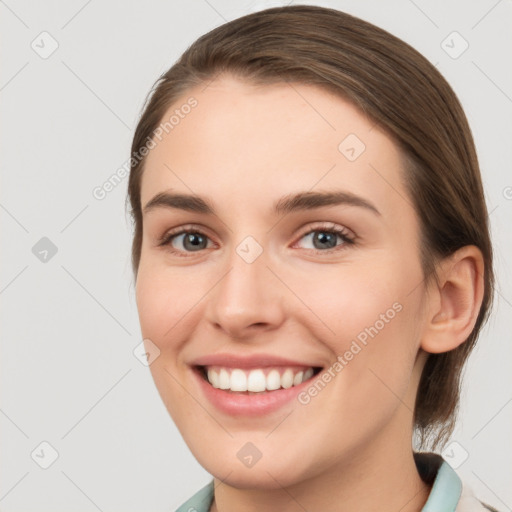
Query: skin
(244,147)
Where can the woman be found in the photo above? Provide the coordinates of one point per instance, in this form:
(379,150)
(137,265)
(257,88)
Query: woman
(312,263)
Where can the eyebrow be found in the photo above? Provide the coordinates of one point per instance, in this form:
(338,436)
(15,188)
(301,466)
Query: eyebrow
(287,204)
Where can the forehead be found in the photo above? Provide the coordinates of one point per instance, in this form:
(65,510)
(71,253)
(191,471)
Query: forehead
(242,142)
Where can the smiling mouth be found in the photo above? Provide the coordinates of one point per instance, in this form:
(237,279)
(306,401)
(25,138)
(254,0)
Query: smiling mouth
(256,380)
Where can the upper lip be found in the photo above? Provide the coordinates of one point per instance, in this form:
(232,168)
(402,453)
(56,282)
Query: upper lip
(253,361)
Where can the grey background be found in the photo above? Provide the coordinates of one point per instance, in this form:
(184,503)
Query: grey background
(69,324)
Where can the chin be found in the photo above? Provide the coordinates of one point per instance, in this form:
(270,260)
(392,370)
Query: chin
(270,474)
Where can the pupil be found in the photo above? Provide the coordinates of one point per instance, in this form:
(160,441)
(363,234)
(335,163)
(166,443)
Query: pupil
(193,241)
(325,238)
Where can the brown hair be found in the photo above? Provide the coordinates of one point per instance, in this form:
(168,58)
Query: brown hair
(402,93)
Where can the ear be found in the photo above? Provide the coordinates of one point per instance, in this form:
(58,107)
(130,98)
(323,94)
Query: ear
(454,302)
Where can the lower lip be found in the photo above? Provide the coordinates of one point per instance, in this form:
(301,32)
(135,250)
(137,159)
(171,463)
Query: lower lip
(249,405)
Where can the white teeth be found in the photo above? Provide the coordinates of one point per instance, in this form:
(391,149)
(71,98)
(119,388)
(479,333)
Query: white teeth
(224,380)
(238,381)
(213,378)
(273,380)
(256,381)
(287,379)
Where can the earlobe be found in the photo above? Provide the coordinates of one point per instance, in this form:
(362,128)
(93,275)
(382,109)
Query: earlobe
(454,302)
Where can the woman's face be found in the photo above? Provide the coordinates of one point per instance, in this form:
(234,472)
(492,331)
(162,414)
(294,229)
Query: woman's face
(304,255)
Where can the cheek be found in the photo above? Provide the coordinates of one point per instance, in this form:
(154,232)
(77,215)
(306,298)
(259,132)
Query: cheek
(369,319)
(153,301)
(165,303)
(346,300)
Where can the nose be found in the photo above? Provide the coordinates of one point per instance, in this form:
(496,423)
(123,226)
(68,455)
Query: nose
(247,300)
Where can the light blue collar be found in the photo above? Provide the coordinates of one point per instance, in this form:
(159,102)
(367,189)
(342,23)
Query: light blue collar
(446,491)
(200,502)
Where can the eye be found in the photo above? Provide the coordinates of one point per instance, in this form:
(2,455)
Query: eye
(326,238)
(185,240)
(322,239)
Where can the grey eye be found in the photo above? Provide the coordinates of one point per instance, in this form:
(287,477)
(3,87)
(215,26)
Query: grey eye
(192,241)
(322,239)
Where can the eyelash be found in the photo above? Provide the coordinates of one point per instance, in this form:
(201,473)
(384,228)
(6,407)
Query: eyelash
(343,233)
